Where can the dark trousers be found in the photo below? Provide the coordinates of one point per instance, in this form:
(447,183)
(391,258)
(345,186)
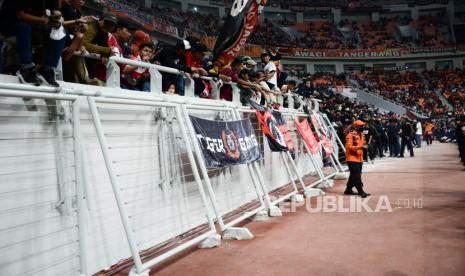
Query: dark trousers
(429,139)
(355,178)
(379,148)
(406,141)
(394,147)
(461,144)
(371,151)
(24,35)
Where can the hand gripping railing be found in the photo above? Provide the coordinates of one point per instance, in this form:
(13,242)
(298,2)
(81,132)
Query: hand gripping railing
(113,78)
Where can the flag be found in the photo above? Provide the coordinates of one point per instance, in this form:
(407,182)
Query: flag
(236,30)
(269,126)
(282,125)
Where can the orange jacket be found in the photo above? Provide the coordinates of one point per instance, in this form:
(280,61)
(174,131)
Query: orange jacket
(429,128)
(354,144)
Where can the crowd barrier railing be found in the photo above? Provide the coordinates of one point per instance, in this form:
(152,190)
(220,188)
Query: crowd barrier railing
(139,175)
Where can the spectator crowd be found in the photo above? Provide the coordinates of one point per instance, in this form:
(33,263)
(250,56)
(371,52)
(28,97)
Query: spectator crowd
(419,91)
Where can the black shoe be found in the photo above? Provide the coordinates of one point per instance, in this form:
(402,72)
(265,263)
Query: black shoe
(28,75)
(48,75)
(400,156)
(364,195)
(350,192)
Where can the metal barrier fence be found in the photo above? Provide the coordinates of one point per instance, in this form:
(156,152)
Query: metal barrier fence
(92,167)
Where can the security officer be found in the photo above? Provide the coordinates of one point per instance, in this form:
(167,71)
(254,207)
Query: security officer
(355,143)
(460,135)
(406,137)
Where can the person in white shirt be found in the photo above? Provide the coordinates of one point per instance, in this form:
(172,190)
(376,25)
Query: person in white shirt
(270,70)
(418,133)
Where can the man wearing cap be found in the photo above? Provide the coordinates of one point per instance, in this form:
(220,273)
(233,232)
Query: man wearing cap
(122,36)
(96,41)
(96,37)
(460,135)
(355,143)
(250,64)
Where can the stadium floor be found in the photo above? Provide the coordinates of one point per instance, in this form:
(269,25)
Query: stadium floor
(408,241)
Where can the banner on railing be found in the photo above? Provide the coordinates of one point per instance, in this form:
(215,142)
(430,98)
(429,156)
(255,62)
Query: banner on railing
(269,126)
(226,144)
(307,134)
(282,125)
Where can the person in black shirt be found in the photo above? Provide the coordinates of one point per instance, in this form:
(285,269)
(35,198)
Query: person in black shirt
(34,22)
(305,89)
(175,57)
(406,137)
(460,136)
(393,138)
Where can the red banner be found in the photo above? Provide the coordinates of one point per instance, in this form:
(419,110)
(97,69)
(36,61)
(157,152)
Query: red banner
(164,28)
(327,146)
(307,134)
(315,123)
(325,142)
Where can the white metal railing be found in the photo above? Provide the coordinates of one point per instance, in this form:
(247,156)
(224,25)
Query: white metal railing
(92,101)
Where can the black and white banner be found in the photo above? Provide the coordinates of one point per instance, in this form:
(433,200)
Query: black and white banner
(226,143)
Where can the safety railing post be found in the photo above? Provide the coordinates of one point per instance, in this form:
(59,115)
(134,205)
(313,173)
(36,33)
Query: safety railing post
(59,70)
(203,169)
(215,90)
(190,156)
(80,194)
(129,230)
(314,163)
(113,74)
(236,94)
(259,188)
(156,84)
(189,87)
(288,170)
(294,167)
(290,102)
(342,146)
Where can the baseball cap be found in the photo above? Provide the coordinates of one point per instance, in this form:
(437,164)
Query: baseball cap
(199,47)
(358,123)
(110,17)
(183,44)
(249,60)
